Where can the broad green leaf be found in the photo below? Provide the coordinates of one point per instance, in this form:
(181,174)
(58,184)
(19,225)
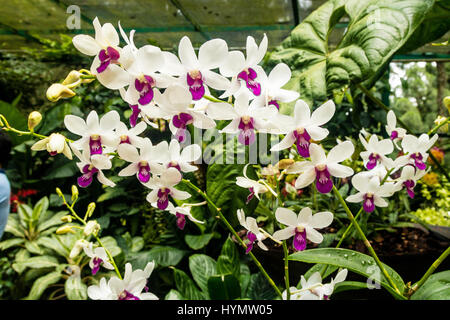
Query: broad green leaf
(186,286)
(224,287)
(228,261)
(173,295)
(352,260)
(259,288)
(202,267)
(318,268)
(61,168)
(13,226)
(40,207)
(38,262)
(197,242)
(24,212)
(11,243)
(21,255)
(33,247)
(16,119)
(377,29)
(166,256)
(75,289)
(111,244)
(349,285)
(111,193)
(42,283)
(437,287)
(244,279)
(53,221)
(137,243)
(53,243)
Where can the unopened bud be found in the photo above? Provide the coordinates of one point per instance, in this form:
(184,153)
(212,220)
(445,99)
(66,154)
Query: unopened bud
(79,245)
(59,192)
(34,118)
(90,209)
(57,91)
(91,227)
(74,193)
(72,78)
(447,103)
(66,219)
(285,163)
(64,230)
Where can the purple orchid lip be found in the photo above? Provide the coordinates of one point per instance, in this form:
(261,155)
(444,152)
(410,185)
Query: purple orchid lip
(409,185)
(274,103)
(145,89)
(181,220)
(249,75)
(174,164)
(195,82)
(251,195)
(247,131)
(180,121)
(300,239)
(418,161)
(163,198)
(108,56)
(134,114)
(125,295)
(373,159)
(394,135)
(53,153)
(144,171)
(303,140)
(368,203)
(324,184)
(97,262)
(86,179)
(125,139)
(95,144)
(251,238)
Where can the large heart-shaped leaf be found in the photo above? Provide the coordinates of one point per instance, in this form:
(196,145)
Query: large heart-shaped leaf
(354,261)
(377,29)
(186,286)
(202,267)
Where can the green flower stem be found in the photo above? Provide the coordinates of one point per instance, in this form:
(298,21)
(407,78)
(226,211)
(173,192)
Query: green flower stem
(436,128)
(366,242)
(429,272)
(228,225)
(70,207)
(213,99)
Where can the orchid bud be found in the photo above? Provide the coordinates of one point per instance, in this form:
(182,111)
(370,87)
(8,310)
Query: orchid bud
(74,193)
(64,230)
(285,163)
(447,103)
(72,78)
(59,192)
(34,118)
(66,219)
(440,121)
(91,227)
(79,245)
(57,91)
(90,209)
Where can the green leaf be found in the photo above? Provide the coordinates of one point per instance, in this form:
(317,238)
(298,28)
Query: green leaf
(173,295)
(11,243)
(224,287)
(53,244)
(197,242)
(111,244)
(166,256)
(53,221)
(111,193)
(38,262)
(259,288)
(352,260)
(228,261)
(33,247)
(61,168)
(21,255)
(349,285)
(24,212)
(202,267)
(40,207)
(318,268)
(186,286)
(437,287)
(75,289)
(377,29)
(16,119)
(244,279)
(42,283)
(137,243)
(13,226)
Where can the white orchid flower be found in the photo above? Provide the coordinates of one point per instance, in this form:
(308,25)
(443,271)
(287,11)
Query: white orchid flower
(143,163)
(90,165)
(271,85)
(131,287)
(376,151)
(54,144)
(255,187)
(94,133)
(195,73)
(416,150)
(254,233)
(174,157)
(105,48)
(322,167)
(395,133)
(245,71)
(163,187)
(175,105)
(304,126)
(244,119)
(302,226)
(131,136)
(409,177)
(183,211)
(370,191)
(98,258)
